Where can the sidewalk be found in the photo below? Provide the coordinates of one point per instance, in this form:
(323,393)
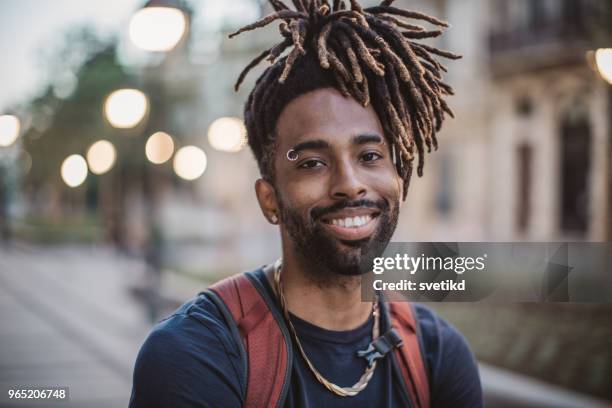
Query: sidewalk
(68,320)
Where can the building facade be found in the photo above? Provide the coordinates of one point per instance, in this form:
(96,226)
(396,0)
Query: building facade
(527,157)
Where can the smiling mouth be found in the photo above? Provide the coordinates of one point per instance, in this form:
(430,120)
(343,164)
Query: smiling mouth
(351,228)
(351,222)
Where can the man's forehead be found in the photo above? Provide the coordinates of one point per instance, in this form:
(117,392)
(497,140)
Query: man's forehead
(325,113)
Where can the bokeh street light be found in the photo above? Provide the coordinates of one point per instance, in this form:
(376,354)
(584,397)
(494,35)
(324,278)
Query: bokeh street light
(159,148)
(101,157)
(227,134)
(9,130)
(158,26)
(189,162)
(125,108)
(603,60)
(74,170)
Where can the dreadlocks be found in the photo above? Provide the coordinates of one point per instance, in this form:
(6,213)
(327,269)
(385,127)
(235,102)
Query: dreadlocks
(366,53)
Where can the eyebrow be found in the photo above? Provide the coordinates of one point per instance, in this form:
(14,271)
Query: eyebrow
(367,138)
(319,144)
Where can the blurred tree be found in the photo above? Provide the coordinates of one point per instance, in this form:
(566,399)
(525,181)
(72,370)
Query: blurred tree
(67,118)
(66,126)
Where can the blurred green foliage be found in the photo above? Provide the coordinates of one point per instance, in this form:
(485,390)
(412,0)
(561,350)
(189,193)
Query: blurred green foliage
(71,125)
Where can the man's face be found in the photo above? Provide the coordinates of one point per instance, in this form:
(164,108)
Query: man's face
(339,200)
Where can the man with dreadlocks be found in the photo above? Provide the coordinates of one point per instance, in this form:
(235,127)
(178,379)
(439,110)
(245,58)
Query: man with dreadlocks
(349,101)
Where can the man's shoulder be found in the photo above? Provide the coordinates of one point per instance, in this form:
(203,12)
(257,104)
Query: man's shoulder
(195,326)
(200,319)
(188,358)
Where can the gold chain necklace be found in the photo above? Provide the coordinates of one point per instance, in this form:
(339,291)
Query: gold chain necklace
(336,389)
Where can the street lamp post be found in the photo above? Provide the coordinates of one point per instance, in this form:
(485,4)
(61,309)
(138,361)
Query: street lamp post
(159,26)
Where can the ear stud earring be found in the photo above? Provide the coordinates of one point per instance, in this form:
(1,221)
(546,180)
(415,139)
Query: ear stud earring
(274,219)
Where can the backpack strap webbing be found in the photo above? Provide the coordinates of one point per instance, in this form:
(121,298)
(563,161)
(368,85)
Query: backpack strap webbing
(410,355)
(264,337)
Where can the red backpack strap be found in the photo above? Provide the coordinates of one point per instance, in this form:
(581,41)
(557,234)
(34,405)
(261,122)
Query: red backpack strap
(261,336)
(410,355)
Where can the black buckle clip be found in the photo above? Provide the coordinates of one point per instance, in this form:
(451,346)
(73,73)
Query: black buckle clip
(380,346)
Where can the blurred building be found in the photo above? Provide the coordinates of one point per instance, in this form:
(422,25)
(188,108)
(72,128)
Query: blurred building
(526,158)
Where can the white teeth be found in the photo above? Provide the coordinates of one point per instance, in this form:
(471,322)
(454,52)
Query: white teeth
(351,222)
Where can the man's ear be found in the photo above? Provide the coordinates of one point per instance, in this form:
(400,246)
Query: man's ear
(266,196)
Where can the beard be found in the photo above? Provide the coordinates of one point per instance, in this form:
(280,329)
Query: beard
(327,257)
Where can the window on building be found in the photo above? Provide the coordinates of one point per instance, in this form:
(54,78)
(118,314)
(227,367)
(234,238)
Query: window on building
(523,106)
(524,155)
(575,163)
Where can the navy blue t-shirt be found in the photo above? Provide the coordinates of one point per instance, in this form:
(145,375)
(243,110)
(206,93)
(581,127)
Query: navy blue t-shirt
(190,359)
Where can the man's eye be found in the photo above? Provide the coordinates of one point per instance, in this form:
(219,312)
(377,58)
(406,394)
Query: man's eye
(309,164)
(371,156)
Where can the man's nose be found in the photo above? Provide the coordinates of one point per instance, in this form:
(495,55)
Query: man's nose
(346,182)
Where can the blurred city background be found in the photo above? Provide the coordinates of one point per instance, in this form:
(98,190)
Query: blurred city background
(126,186)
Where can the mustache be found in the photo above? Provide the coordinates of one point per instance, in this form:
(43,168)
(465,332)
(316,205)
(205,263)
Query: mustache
(319,212)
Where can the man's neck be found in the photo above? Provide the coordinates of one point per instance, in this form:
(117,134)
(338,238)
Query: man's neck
(333,307)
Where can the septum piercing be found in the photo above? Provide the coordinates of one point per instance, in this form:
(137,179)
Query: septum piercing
(292,155)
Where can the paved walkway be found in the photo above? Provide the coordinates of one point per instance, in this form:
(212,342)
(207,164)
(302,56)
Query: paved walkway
(68,320)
